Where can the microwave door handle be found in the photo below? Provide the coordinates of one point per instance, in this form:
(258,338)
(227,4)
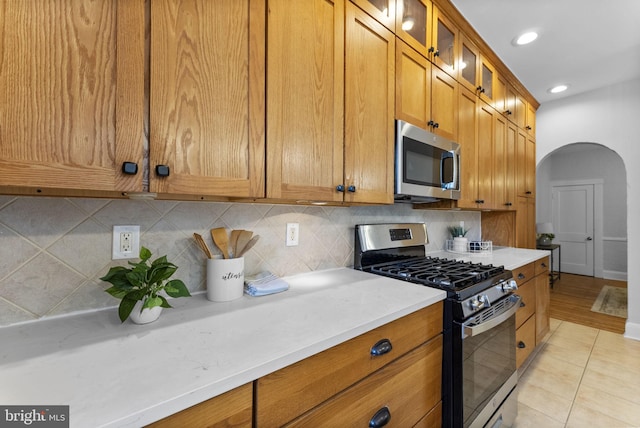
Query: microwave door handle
(455,184)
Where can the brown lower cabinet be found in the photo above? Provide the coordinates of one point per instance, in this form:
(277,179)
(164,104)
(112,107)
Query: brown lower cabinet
(233,409)
(532,318)
(346,385)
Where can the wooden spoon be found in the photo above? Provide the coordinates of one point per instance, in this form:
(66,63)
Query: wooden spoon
(219,235)
(243,240)
(249,245)
(203,245)
(233,242)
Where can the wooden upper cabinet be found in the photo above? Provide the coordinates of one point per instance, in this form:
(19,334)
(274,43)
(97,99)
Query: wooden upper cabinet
(413,24)
(525,165)
(413,86)
(520,111)
(468,66)
(530,122)
(487,76)
(369,109)
(486,158)
(72,91)
(425,95)
(444,104)
(384,11)
(423,27)
(445,43)
(207,97)
(468,140)
(305,64)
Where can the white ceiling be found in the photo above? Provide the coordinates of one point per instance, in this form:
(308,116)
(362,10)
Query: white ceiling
(586,44)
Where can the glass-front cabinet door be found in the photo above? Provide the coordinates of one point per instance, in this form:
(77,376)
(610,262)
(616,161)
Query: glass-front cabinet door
(413,24)
(487,78)
(445,40)
(469,59)
(384,11)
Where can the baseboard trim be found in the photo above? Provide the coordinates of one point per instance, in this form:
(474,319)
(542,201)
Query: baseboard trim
(632,331)
(615,275)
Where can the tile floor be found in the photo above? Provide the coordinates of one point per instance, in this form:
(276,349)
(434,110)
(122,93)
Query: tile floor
(580,377)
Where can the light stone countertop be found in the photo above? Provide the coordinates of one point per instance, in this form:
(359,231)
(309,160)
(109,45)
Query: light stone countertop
(510,258)
(126,375)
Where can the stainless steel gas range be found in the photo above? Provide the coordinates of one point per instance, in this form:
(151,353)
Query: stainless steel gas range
(479,354)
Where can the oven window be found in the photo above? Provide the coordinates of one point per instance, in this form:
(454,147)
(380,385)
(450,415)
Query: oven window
(424,164)
(489,359)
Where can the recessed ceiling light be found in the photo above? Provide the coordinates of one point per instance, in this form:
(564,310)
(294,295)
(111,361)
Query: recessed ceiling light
(525,38)
(558,89)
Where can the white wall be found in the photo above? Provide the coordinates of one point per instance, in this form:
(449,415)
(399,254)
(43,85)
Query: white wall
(607,116)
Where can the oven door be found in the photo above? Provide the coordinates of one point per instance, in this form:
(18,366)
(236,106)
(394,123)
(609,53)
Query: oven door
(489,374)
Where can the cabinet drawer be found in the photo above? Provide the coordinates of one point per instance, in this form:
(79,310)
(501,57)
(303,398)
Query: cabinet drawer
(231,409)
(524,273)
(542,266)
(408,387)
(284,395)
(433,419)
(525,340)
(528,304)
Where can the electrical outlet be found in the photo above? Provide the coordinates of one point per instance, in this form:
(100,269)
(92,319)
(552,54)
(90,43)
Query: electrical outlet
(293,232)
(126,242)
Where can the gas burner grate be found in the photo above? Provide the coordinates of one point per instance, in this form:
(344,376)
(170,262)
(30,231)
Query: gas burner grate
(433,271)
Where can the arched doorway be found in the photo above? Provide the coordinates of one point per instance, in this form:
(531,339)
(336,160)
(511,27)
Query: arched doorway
(587,167)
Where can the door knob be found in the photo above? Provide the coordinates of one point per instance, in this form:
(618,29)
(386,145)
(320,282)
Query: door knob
(589,238)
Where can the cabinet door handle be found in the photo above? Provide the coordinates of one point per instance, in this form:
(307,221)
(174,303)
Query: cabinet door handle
(130,168)
(508,204)
(436,125)
(521,275)
(436,53)
(479,201)
(162,170)
(351,188)
(431,123)
(381,418)
(340,188)
(528,192)
(522,304)
(521,345)
(528,128)
(543,264)
(381,347)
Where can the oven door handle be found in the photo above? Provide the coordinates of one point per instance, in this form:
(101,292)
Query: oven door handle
(474,330)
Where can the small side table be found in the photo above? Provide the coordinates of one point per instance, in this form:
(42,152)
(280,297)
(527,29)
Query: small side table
(553,275)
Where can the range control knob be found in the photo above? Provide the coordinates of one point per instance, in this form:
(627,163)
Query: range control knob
(475,304)
(509,286)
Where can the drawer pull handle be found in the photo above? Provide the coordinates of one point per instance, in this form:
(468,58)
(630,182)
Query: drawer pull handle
(543,265)
(381,418)
(522,304)
(380,348)
(521,345)
(521,276)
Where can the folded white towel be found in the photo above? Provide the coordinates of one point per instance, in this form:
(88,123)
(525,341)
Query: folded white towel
(264,283)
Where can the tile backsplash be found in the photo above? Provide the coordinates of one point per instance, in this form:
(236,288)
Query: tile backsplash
(54,250)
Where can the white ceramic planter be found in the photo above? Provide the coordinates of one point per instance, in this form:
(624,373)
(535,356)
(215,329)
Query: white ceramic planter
(460,244)
(146,316)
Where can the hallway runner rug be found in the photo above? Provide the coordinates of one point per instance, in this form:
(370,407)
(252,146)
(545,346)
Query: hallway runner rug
(611,301)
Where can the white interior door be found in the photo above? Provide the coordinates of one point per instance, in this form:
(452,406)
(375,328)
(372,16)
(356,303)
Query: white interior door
(572,210)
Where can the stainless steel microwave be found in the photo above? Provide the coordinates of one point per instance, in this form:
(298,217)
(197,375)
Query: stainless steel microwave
(427,166)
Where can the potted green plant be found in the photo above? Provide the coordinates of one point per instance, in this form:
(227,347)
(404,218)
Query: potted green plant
(459,240)
(141,286)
